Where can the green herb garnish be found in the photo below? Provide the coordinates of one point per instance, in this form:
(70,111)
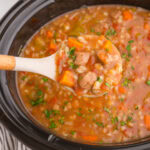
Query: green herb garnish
(107,84)
(99,79)
(132,67)
(39,93)
(61,121)
(73,132)
(107,109)
(100,124)
(73,66)
(52,125)
(131,41)
(136,107)
(122,123)
(45,79)
(126,82)
(79,114)
(37,102)
(114,120)
(121,99)
(129,119)
(148,82)
(47,113)
(110,32)
(92,30)
(23,78)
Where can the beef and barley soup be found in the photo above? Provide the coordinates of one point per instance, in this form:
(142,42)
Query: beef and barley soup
(103,52)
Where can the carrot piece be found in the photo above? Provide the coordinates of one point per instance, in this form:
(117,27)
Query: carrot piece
(127,15)
(49,34)
(90,138)
(102,37)
(67,78)
(108,46)
(122,90)
(147,121)
(52,46)
(72,42)
(146,26)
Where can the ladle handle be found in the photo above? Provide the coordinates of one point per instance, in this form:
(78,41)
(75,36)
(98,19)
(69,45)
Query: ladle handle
(7,62)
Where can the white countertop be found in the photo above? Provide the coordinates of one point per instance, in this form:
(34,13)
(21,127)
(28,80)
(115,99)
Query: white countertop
(5,5)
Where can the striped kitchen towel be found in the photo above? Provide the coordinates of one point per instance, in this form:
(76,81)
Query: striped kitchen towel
(9,142)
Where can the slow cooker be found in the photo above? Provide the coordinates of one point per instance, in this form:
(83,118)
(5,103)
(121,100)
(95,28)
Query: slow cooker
(16,27)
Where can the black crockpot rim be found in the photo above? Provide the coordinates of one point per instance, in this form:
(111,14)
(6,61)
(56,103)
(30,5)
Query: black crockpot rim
(8,16)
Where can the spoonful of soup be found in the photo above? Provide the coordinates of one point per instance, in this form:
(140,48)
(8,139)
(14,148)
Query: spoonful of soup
(89,65)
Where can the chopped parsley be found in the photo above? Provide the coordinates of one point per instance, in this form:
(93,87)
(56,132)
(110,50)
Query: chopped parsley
(47,113)
(70,96)
(73,66)
(107,109)
(45,79)
(128,47)
(125,57)
(61,121)
(71,52)
(56,112)
(73,132)
(79,114)
(39,93)
(110,32)
(132,67)
(23,78)
(37,102)
(148,82)
(114,120)
(90,110)
(66,102)
(92,30)
(121,99)
(131,41)
(126,82)
(122,123)
(136,107)
(100,124)
(129,119)
(107,84)
(98,33)
(52,125)
(99,79)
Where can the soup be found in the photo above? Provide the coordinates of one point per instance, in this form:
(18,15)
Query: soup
(103,52)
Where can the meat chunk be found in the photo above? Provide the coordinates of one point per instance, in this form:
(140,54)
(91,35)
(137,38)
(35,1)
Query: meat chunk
(88,80)
(82,58)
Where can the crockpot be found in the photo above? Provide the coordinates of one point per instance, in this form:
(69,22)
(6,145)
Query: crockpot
(16,28)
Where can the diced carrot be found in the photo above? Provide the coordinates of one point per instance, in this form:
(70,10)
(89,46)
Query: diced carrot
(102,37)
(122,107)
(148,68)
(108,46)
(147,121)
(146,26)
(103,57)
(122,90)
(53,101)
(72,42)
(52,46)
(90,138)
(67,78)
(127,15)
(49,34)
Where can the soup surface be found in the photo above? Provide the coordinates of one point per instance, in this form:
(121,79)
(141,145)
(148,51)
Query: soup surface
(101,49)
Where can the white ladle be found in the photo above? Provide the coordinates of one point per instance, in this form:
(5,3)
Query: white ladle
(45,66)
